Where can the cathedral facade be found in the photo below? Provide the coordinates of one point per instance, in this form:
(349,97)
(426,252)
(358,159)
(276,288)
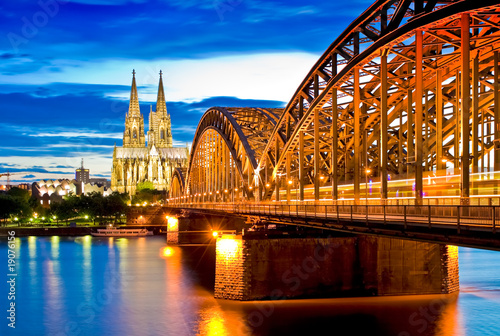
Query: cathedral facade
(140,161)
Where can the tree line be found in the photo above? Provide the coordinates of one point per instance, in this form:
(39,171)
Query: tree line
(17,204)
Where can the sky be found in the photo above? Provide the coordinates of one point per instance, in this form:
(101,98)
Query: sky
(66,69)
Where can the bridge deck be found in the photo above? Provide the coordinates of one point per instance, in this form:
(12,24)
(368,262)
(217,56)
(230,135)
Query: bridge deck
(474,226)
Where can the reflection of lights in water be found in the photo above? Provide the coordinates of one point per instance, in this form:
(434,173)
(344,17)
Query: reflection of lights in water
(218,321)
(449,318)
(122,242)
(32,246)
(55,246)
(87,240)
(166,252)
(212,323)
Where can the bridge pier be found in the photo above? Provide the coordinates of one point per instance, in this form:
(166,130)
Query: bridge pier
(256,268)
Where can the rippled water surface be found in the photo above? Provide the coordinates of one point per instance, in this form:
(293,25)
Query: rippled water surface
(139,286)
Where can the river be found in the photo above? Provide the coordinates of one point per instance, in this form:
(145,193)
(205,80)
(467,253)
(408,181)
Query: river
(141,286)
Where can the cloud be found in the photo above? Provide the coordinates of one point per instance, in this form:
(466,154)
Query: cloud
(76,134)
(65,89)
(268,76)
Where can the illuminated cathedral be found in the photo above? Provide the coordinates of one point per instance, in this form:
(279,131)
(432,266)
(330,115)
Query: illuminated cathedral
(154,161)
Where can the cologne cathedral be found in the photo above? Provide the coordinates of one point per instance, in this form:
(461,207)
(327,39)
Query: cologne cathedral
(154,161)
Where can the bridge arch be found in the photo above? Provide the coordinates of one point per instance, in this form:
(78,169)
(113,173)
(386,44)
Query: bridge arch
(407,95)
(225,152)
(177,187)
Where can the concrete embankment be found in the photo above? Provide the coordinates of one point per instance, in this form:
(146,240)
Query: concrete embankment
(68,231)
(46,231)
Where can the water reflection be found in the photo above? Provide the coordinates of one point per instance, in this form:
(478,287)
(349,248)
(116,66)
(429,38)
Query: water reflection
(125,286)
(54,310)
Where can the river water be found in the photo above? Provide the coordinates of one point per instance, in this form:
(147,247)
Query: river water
(141,286)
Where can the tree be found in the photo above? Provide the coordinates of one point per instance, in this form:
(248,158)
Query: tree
(22,194)
(65,209)
(145,192)
(116,205)
(8,206)
(15,203)
(146,185)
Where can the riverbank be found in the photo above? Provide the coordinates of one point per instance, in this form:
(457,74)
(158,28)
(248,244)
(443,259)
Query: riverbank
(62,230)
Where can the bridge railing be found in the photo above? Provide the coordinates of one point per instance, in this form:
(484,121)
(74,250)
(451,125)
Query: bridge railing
(460,217)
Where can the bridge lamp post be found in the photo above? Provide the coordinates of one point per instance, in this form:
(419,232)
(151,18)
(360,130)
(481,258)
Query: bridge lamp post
(367,172)
(321,180)
(291,184)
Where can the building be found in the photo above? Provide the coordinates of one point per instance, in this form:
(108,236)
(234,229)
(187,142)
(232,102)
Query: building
(155,161)
(82,175)
(48,191)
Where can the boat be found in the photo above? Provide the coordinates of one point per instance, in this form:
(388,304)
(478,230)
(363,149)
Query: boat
(116,232)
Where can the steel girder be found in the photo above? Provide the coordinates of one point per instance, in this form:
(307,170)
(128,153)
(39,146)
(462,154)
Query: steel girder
(398,48)
(386,99)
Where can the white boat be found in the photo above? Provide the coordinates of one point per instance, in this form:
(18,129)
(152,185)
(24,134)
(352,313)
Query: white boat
(115,232)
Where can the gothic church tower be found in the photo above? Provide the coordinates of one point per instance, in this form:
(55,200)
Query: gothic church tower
(135,162)
(160,132)
(134,136)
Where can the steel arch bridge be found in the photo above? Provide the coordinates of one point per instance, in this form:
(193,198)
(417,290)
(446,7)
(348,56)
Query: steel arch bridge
(406,97)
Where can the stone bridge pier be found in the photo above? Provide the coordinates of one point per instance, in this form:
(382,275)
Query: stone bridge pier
(253,268)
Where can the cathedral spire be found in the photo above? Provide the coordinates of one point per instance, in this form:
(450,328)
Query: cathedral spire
(161,107)
(134,121)
(133,110)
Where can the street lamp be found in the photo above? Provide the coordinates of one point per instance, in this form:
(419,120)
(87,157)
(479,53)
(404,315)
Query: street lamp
(367,172)
(291,184)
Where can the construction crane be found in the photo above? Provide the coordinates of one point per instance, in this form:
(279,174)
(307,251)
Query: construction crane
(8,177)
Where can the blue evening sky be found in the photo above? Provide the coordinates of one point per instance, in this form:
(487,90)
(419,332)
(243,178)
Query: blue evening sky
(66,69)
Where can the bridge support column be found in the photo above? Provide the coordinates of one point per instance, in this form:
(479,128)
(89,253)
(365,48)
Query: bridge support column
(475,121)
(383,125)
(440,159)
(496,111)
(255,268)
(357,135)
(419,150)
(334,175)
(316,155)
(301,166)
(465,115)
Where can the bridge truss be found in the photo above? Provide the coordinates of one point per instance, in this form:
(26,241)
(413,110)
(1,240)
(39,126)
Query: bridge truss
(408,93)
